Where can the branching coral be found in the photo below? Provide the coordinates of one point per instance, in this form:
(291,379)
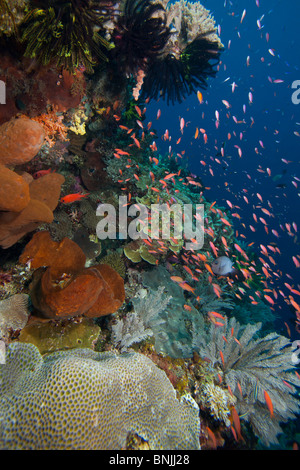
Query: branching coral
(252,367)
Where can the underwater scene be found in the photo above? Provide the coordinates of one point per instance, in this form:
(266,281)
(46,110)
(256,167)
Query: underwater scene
(149,205)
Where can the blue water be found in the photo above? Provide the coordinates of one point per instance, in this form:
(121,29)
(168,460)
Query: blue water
(276,119)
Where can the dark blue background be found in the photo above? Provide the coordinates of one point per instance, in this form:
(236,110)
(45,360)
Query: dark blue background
(272,109)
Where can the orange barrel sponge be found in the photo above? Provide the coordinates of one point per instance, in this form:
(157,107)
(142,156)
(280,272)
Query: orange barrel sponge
(62,287)
(65,296)
(14,191)
(63,257)
(14,225)
(20,140)
(44,197)
(47,189)
(112,296)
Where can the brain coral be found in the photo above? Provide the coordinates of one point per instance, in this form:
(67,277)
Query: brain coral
(81,399)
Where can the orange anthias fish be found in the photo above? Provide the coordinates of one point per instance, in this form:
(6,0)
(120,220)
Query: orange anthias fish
(269,403)
(212,438)
(236,423)
(72,198)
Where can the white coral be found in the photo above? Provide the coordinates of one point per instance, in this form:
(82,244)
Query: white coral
(218,401)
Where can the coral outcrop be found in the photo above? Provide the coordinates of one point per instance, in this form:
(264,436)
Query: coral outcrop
(31,93)
(55,336)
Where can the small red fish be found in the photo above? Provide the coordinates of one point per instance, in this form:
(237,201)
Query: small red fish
(72,198)
(269,403)
(41,173)
(236,423)
(222,358)
(212,438)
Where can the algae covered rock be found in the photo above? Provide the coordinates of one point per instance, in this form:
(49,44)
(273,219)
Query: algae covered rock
(49,337)
(81,399)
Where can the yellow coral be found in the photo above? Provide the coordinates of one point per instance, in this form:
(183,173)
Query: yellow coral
(78,122)
(50,337)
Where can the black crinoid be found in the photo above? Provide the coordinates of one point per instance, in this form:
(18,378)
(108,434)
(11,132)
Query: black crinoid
(141,33)
(175,75)
(67,33)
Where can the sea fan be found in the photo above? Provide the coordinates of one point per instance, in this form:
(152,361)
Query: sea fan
(138,324)
(129,330)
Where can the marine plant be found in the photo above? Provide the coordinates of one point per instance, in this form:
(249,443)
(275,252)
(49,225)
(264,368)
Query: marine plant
(138,324)
(174,338)
(130,114)
(65,33)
